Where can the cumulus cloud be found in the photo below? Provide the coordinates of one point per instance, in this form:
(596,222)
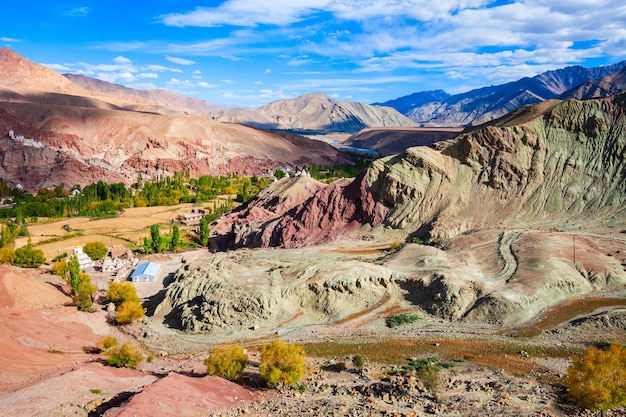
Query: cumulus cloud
(204,84)
(9,40)
(180,61)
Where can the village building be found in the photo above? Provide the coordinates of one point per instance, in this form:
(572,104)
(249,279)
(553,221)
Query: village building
(193,218)
(146,272)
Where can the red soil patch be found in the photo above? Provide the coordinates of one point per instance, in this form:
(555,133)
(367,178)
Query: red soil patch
(38,334)
(179,395)
(17,290)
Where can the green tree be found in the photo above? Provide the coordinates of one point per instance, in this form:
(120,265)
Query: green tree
(203,233)
(147,248)
(28,257)
(227,361)
(175,241)
(597,379)
(83,298)
(281,363)
(95,250)
(73,269)
(155,234)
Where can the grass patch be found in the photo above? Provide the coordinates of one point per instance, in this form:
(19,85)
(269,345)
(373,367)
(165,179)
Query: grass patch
(95,391)
(492,354)
(400,319)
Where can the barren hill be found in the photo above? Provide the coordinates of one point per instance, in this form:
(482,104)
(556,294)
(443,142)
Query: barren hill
(557,160)
(316,112)
(71,133)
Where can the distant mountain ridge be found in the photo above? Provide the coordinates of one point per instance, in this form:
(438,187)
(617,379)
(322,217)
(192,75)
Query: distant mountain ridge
(76,130)
(488,103)
(600,87)
(317,112)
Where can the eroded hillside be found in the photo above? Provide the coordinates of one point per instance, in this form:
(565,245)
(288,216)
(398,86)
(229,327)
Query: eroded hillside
(557,160)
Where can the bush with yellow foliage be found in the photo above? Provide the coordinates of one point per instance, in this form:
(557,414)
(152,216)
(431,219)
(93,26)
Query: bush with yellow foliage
(227,361)
(597,379)
(281,363)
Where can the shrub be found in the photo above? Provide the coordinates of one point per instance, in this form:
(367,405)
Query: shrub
(281,363)
(227,361)
(597,379)
(107,342)
(358,361)
(7,256)
(60,268)
(28,257)
(399,319)
(125,356)
(128,311)
(95,250)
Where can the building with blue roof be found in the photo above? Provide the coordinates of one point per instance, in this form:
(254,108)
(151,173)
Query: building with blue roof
(146,272)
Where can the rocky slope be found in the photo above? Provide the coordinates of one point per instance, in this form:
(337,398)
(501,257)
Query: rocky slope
(557,159)
(488,103)
(78,134)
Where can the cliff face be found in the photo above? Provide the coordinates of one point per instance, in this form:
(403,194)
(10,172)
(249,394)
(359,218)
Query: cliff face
(555,160)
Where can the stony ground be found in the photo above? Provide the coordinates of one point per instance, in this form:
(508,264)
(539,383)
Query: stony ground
(49,369)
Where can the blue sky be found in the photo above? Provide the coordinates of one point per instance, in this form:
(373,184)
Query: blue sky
(247,53)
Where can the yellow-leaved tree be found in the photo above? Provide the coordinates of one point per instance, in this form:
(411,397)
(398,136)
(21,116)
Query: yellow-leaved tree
(127,304)
(597,379)
(281,363)
(226,361)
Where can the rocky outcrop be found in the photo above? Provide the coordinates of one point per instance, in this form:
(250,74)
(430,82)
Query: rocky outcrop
(558,159)
(234,292)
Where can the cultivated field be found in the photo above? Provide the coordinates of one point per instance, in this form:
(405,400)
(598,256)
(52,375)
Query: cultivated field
(129,228)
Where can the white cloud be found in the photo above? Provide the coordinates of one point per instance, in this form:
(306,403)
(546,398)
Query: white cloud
(9,40)
(122,60)
(148,75)
(58,67)
(197,72)
(179,61)
(267,71)
(204,84)
(247,13)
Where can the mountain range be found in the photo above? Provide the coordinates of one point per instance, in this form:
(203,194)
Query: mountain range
(75,130)
(438,109)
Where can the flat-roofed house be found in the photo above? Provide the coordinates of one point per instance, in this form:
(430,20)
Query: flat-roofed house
(193,218)
(146,272)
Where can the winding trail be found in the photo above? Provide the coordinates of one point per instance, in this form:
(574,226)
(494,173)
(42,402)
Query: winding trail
(506,253)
